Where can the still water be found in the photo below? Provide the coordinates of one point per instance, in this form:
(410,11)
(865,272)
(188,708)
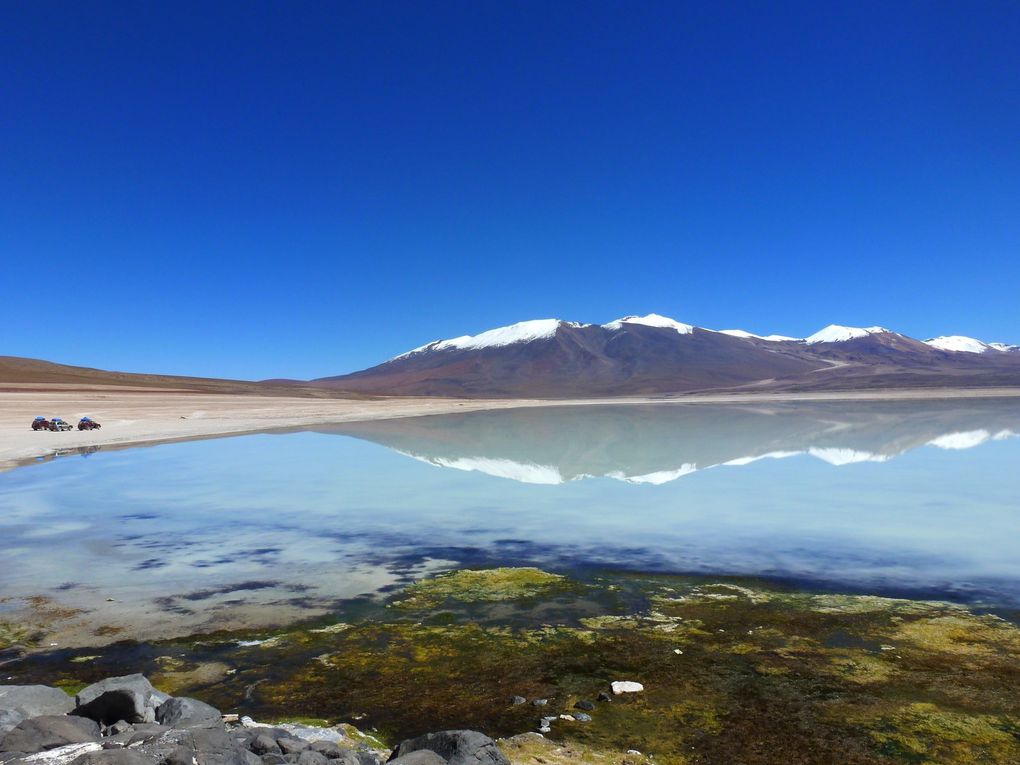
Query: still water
(919,499)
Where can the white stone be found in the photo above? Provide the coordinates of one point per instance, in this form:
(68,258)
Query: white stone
(626,686)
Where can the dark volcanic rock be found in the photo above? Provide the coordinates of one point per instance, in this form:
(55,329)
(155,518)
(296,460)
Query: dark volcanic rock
(457,747)
(217,747)
(185,712)
(328,748)
(34,700)
(48,732)
(180,755)
(289,745)
(311,757)
(587,706)
(263,744)
(113,757)
(131,698)
(144,733)
(421,757)
(362,757)
(201,746)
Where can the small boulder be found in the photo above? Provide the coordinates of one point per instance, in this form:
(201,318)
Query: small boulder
(143,734)
(457,747)
(290,745)
(112,757)
(40,734)
(184,712)
(263,744)
(539,702)
(587,706)
(180,755)
(362,757)
(582,717)
(311,757)
(329,749)
(34,700)
(518,700)
(604,697)
(421,757)
(626,686)
(214,746)
(131,698)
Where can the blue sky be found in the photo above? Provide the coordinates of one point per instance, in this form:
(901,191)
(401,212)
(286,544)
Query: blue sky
(303,189)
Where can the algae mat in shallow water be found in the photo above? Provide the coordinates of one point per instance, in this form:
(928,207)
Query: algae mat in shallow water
(734,673)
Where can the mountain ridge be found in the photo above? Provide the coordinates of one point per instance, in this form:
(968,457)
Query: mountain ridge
(655,354)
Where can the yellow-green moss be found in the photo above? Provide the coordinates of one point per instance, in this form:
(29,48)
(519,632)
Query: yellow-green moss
(923,732)
(471,586)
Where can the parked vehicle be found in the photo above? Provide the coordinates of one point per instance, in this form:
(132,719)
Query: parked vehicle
(86,423)
(40,423)
(58,424)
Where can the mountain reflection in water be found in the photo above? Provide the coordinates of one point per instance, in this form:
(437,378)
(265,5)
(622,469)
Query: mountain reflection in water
(915,498)
(656,444)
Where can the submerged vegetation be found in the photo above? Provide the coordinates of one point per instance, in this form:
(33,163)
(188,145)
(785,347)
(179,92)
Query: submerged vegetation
(485,585)
(733,671)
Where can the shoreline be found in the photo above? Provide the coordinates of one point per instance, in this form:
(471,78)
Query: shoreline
(132,418)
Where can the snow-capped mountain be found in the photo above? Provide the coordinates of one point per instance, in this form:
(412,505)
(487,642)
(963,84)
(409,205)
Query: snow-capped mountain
(963,344)
(655,354)
(651,320)
(521,332)
(837,333)
(743,333)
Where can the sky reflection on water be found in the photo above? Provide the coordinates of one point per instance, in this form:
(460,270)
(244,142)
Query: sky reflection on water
(918,498)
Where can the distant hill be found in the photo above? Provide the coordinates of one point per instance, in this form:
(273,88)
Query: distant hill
(18,373)
(652,355)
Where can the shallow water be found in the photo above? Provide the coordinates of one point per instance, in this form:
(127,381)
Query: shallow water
(919,498)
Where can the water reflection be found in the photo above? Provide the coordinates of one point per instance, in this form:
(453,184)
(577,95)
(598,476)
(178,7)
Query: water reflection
(915,498)
(657,444)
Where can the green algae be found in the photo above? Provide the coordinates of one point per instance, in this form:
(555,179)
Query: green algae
(925,733)
(483,585)
(733,671)
(12,635)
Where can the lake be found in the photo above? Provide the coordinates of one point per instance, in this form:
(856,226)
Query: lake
(916,499)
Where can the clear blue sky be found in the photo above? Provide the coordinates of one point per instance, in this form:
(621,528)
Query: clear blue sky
(301,189)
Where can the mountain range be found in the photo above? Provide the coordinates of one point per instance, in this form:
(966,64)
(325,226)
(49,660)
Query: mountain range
(657,355)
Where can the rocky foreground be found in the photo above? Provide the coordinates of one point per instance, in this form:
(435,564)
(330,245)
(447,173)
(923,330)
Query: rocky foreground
(126,721)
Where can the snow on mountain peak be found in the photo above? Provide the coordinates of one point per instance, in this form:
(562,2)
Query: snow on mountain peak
(836,333)
(521,332)
(958,344)
(963,344)
(744,334)
(651,320)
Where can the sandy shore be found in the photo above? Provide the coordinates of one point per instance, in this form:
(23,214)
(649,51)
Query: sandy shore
(131,417)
